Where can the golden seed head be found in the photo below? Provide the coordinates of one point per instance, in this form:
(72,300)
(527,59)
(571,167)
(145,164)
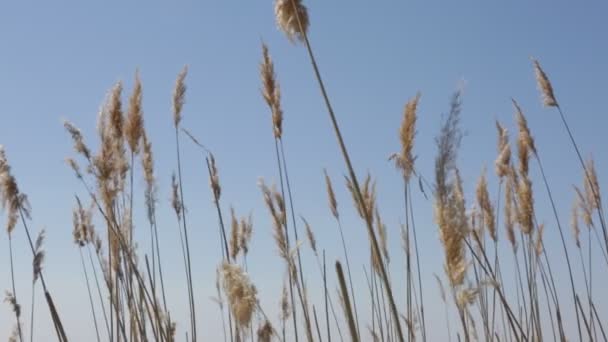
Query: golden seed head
(271,91)
(526,205)
(487,209)
(333,204)
(368,194)
(12,200)
(79,145)
(245,234)
(241,293)
(310,235)
(214,180)
(592,185)
(38,256)
(134,124)
(544,85)
(179,96)
(525,141)
(510,215)
(381,228)
(504,152)
(292,18)
(585,206)
(405,159)
(234,235)
(175,198)
(273,201)
(576,231)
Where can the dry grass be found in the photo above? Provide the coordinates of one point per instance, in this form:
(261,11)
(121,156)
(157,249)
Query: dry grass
(131,294)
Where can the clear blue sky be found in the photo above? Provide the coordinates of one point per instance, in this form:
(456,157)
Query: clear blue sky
(58,60)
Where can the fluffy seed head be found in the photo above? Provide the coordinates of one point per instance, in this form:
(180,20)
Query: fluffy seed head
(38,256)
(175,199)
(79,145)
(381,228)
(285,310)
(12,200)
(134,124)
(544,85)
(265,332)
(292,18)
(234,235)
(592,185)
(271,92)
(487,209)
(214,180)
(179,96)
(274,203)
(368,195)
(504,152)
(585,207)
(310,235)
(10,298)
(525,142)
(245,234)
(526,205)
(333,204)
(404,160)
(510,215)
(241,293)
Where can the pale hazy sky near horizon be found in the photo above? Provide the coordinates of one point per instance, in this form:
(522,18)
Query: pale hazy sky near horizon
(59,59)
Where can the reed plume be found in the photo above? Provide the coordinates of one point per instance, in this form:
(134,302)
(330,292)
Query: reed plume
(265,332)
(271,91)
(544,85)
(366,204)
(487,209)
(134,123)
(10,298)
(592,186)
(525,147)
(179,96)
(503,160)
(331,196)
(79,144)
(234,235)
(404,160)
(38,256)
(450,213)
(292,18)
(241,293)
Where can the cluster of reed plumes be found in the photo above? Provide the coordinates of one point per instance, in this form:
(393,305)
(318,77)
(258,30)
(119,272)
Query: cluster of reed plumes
(126,286)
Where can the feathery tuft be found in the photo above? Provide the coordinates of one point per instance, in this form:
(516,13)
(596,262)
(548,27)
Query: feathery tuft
(544,85)
(134,124)
(292,18)
(179,95)
(487,209)
(271,91)
(405,160)
(241,293)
